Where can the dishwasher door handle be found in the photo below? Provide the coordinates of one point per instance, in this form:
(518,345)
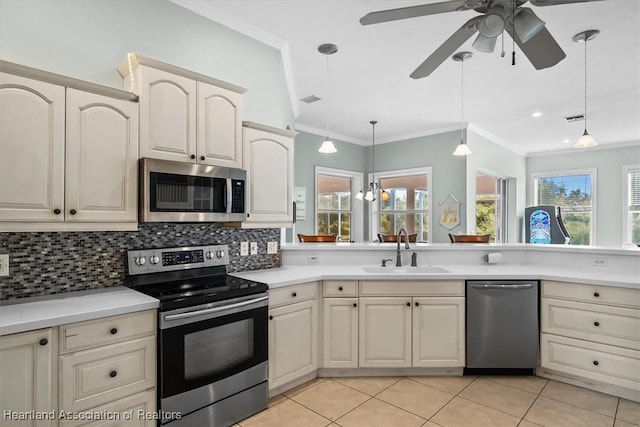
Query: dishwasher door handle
(505,287)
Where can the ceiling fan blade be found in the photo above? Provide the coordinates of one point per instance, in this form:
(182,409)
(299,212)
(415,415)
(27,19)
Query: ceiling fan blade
(542,50)
(412,12)
(447,48)
(555,2)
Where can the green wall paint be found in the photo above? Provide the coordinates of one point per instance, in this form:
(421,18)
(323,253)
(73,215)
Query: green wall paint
(89,39)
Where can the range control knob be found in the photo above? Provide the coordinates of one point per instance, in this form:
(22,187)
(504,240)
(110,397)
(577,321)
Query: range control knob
(219,254)
(154,259)
(140,261)
(208,255)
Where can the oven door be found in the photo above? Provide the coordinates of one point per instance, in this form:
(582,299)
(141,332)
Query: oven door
(210,344)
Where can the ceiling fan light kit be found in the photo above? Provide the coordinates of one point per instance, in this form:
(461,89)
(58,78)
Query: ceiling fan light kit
(585,140)
(327,146)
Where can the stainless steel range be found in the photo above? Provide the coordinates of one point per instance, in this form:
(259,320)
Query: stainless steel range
(212,338)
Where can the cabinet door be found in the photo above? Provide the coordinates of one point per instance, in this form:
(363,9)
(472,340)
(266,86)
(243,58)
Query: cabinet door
(28,370)
(340,333)
(167,115)
(292,342)
(268,159)
(385,332)
(438,332)
(219,126)
(101,158)
(31,150)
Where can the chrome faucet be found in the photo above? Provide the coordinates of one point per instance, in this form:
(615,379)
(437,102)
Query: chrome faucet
(406,245)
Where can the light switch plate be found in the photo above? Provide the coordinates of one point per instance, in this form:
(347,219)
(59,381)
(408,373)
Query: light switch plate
(4,264)
(272,248)
(244,248)
(254,248)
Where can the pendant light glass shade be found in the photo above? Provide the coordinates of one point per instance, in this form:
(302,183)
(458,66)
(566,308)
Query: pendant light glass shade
(462,149)
(327,146)
(585,140)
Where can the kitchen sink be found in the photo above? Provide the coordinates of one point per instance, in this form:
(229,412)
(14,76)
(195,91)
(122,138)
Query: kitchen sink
(427,269)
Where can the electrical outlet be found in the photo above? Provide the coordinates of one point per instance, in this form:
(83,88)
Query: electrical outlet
(272,248)
(600,262)
(313,259)
(244,248)
(4,264)
(254,248)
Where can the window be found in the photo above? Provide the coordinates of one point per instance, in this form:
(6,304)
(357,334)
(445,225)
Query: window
(631,209)
(574,192)
(409,205)
(491,206)
(335,213)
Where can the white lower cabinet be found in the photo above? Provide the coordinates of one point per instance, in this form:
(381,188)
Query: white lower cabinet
(340,332)
(28,375)
(438,332)
(293,336)
(385,332)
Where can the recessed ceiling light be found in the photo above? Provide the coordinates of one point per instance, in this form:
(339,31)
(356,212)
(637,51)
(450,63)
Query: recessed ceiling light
(536,114)
(566,141)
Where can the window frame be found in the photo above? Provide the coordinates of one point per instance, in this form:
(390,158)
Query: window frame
(533,200)
(356,208)
(374,227)
(626,230)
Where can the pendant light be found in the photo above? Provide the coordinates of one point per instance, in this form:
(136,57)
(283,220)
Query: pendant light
(327,146)
(462,149)
(374,187)
(586,140)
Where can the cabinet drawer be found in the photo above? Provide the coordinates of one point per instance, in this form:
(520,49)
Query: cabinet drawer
(599,362)
(291,294)
(593,322)
(94,377)
(110,330)
(132,411)
(624,297)
(340,288)
(412,288)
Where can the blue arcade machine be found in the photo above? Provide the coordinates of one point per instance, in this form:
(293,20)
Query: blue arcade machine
(543,225)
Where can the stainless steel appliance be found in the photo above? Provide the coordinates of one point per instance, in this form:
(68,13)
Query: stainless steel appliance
(212,338)
(502,326)
(186,192)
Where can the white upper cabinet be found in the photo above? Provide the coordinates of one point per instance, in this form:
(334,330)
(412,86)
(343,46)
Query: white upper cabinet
(31,149)
(185,116)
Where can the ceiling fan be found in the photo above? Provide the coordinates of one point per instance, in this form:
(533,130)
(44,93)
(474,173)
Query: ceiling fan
(522,24)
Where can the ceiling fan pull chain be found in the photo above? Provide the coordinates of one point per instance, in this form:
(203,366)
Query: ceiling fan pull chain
(513,38)
(502,38)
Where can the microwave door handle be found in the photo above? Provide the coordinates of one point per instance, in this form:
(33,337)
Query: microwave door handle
(227,195)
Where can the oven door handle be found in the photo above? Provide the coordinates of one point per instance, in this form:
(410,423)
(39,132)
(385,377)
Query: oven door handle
(213,310)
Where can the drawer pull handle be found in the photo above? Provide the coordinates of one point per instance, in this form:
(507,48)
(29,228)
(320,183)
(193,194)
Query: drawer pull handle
(270,317)
(113,374)
(73,212)
(114,331)
(417,304)
(596,323)
(294,294)
(355,305)
(202,157)
(596,294)
(43,341)
(408,304)
(56,211)
(340,288)
(595,362)
(193,156)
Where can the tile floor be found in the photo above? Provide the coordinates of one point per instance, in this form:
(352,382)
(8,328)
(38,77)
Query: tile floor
(468,401)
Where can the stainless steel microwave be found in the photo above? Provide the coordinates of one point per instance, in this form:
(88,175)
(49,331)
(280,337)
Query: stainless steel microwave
(173,191)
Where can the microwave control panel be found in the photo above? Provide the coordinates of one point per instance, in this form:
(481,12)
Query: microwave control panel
(237,196)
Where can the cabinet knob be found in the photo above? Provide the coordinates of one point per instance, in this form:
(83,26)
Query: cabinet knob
(340,288)
(595,362)
(417,304)
(355,305)
(408,304)
(73,212)
(596,294)
(294,294)
(596,323)
(57,211)
(193,156)
(270,317)
(114,331)
(202,157)
(113,374)
(43,341)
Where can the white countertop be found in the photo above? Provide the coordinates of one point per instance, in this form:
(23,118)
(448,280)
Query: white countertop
(61,309)
(294,274)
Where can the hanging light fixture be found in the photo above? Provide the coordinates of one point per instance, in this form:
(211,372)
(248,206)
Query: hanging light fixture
(374,188)
(327,146)
(462,149)
(586,140)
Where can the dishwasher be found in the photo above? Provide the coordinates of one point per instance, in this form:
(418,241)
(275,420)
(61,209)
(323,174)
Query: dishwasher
(503,328)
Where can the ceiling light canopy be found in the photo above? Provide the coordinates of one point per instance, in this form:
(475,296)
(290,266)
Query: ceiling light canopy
(327,146)
(586,140)
(462,149)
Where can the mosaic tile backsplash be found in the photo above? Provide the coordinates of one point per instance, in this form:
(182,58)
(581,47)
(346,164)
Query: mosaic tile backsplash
(56,262)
